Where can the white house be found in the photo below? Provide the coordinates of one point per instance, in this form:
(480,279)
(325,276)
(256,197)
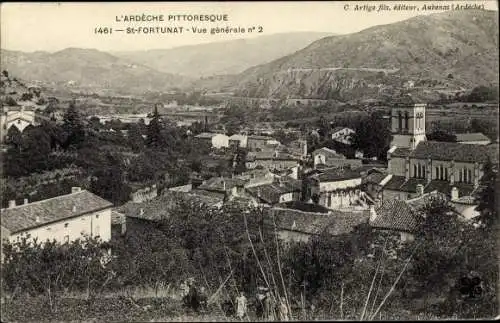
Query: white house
(343,134)
(217,140)
(238,140)
(64,218)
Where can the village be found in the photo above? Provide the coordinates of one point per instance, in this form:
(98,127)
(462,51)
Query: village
(301,193)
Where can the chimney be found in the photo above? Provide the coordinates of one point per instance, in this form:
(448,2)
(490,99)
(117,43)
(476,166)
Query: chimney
(37,219)
(75,189)
(259,192)
(141,212)
(12,203)
(74,208)
(223,185)
(420,189)
(26,201)
(377,202)
(454,193)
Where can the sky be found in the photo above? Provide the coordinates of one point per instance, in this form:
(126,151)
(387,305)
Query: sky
(54,26)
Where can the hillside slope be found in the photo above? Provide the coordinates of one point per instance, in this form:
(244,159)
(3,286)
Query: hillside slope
(456,49)
(228,57)
(86,69)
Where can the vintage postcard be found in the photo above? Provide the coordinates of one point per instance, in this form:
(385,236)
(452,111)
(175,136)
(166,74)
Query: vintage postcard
(249,161)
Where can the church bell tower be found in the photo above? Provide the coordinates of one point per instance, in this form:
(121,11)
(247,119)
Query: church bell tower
(408,125)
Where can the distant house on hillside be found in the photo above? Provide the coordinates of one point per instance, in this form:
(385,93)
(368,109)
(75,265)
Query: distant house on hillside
(472,138)
(64,218)
(215,140)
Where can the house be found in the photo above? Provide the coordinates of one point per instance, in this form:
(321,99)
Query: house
(64,218)
(238,140)
(295,225)
(224,186)
(374,181)
(272,160)
(215,140)
(258,142)
(343,135)
(335,188)
(15,117)
(141,194)
(472,138)
(284,189)
(412,160)
(143,217)
(326,157)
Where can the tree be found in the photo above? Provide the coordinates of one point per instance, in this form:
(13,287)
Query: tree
(109,183)
(486,196)
(134,136)
(439,135)
(240,159)
(73,127)
(372,136)
(154,137)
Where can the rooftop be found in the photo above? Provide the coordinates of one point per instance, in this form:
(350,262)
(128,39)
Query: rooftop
(450,151)
(476,136)
(221,184)
(24,217)
(329,152)
(396,215)
(206,135)
(271,193)
(335,223)
(337,174)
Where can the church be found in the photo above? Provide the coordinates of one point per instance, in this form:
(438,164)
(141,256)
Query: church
(417,166)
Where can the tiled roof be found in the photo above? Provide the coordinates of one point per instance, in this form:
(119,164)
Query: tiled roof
(270,154)
(395,183)
(375,177)
(450,151)
(332,175)
(23,217)
(255,137)
(205,135)
(315,223)
(217,184)
(328,152)
(270,193)
(162,206)
(305,207)
(477,136)
(395,215)
(401,152)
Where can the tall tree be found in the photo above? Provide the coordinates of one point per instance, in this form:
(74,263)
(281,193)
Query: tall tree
(73,127)
(154,136)
(486,196)
(372,136)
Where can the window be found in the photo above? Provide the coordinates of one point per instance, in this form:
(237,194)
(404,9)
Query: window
(97,216)
(400,120)
(66,239)
(469,175)
(415,174)
(437,173)
(48,228)
(66,225)
(406,120)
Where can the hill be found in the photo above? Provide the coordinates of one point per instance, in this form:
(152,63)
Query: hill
(444,52)
(228,57)
(86,69)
